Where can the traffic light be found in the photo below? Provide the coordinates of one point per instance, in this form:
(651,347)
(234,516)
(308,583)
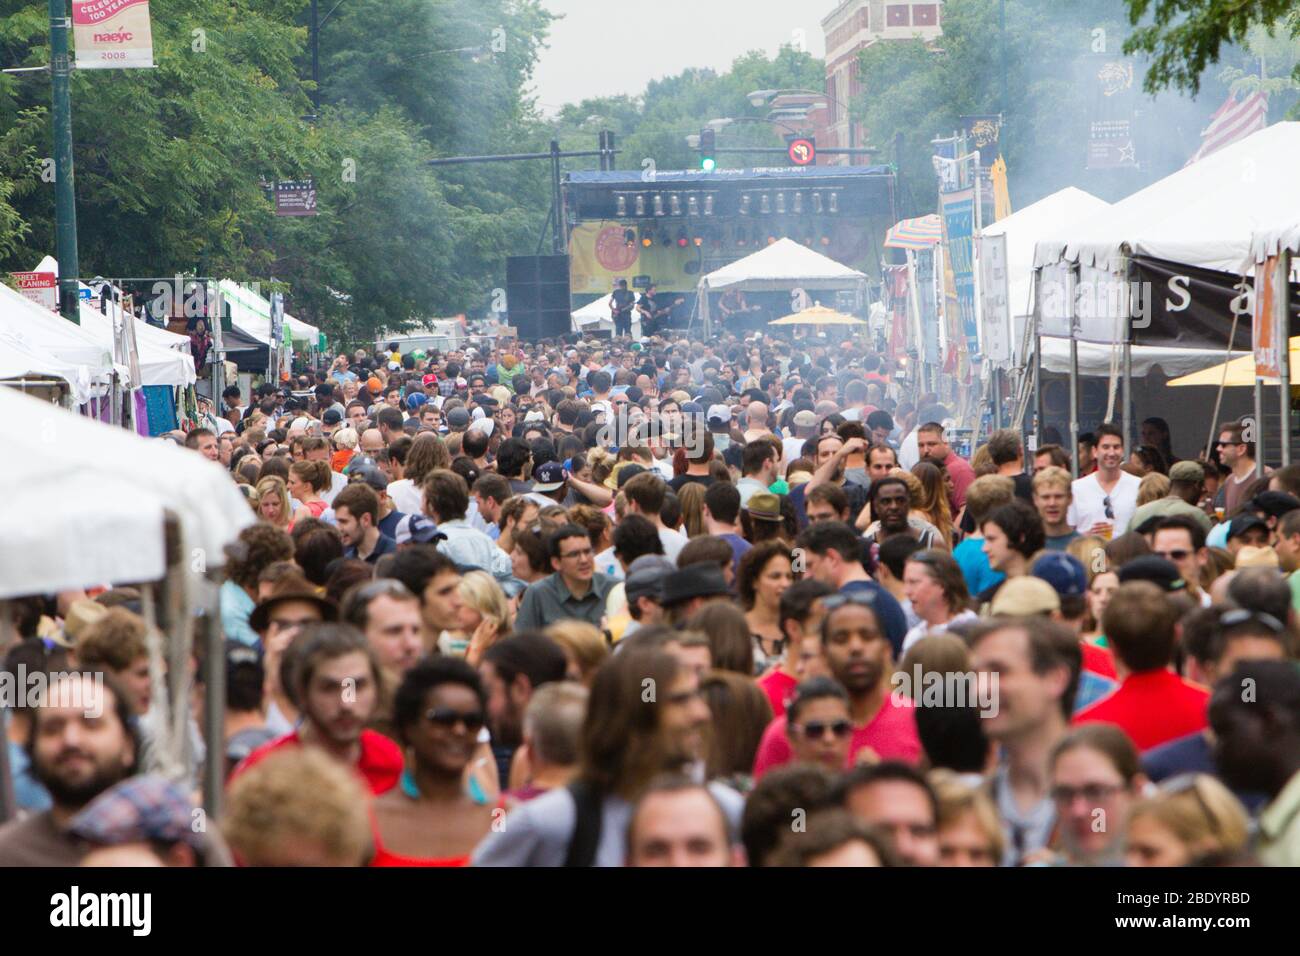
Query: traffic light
(708,162)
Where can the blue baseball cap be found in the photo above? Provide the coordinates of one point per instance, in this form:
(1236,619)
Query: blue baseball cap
(1064,572)
(548,476)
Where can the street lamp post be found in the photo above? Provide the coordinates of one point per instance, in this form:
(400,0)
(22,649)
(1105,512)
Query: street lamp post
(65,194)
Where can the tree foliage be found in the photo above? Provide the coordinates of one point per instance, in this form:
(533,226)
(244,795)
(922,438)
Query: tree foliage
(1184,37)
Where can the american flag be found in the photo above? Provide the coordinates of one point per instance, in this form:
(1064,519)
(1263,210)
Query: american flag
(1234,120)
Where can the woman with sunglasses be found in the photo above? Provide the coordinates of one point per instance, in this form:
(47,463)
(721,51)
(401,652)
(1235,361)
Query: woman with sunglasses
(819,724)
(1190,815)
(429,819)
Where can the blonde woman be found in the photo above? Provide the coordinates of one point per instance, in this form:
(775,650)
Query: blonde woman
(584,647)
(485,618)
(1153,487)
(307,479)
(970,832)
(273,504)
(1186,817)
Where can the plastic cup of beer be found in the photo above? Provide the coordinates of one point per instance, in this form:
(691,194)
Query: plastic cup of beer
(1220,514)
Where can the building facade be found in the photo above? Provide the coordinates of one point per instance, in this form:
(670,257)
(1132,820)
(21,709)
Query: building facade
(850,28)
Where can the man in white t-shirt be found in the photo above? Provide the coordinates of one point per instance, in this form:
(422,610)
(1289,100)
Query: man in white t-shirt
(805,427)
(1105,500)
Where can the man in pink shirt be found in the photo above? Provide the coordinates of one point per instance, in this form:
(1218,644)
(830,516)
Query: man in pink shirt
(930,443)
(861,658)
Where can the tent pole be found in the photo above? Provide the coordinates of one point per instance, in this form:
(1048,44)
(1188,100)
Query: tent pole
(1074,405)
(1259,431)
(8,799)
(1038,394)
(1127,411)
(1283,291)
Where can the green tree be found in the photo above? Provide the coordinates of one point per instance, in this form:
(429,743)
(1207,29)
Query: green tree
(1185,37)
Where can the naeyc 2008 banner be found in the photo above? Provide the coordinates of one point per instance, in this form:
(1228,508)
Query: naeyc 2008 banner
(112,34)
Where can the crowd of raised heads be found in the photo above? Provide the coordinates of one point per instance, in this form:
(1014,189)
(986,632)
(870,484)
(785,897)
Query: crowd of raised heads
(663,602)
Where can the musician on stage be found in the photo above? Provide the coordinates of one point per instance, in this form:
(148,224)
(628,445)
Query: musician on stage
(621,304)
(736,312)
(652,312)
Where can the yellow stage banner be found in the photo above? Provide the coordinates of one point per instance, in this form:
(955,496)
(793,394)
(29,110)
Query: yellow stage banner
(599,255)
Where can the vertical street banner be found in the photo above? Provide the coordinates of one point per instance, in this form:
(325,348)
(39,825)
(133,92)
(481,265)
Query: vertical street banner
(958,208)
(1269,320)
(995,311)
(983,133)
(112,34)
(277,335)
(40,287)
(1110,121)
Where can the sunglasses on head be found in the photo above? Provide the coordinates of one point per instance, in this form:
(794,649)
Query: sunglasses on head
(1240,615)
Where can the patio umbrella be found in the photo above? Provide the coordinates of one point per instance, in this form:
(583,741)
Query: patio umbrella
(818,314)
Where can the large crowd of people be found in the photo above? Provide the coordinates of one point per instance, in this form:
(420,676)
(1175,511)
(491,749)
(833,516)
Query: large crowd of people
(671,603)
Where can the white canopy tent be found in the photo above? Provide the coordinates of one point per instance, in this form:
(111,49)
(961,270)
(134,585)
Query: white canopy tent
(1203,216)
(40,332)
(102,494)
(785,265)
(597,317)
(23,368)
(251,314)
(159,364)
(1023,229)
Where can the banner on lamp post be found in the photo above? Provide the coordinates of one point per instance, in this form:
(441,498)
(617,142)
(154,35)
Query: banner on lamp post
(112,34)
(995,311)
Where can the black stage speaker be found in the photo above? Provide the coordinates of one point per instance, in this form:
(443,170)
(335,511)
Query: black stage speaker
(537,296)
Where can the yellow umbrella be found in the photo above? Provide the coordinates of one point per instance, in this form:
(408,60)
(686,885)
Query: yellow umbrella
(818,314)
(1241,371)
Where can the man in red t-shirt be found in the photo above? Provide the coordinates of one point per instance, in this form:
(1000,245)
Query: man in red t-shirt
(860,658)
(930,443)
(1152,704)
(337,684)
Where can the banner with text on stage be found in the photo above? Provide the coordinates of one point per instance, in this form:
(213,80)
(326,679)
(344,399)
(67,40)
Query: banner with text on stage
(599,255)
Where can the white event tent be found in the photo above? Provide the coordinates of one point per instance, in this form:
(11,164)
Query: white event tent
(102,494)
(785,265)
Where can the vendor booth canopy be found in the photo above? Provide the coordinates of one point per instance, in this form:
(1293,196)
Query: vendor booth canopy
(251,313)
(1182,244)
(1202,215)
(102,495)
(44,333)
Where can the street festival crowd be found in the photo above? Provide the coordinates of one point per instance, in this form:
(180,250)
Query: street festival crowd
(664,602)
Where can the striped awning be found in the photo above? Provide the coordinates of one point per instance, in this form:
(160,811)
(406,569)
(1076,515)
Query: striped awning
(918,234)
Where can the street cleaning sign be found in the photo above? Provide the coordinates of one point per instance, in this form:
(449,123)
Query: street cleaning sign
(112,34)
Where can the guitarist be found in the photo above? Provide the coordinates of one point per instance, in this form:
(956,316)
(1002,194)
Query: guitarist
(621,309)
(651,312)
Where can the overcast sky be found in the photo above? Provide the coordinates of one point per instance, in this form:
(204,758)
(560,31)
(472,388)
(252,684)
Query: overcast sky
(606,47)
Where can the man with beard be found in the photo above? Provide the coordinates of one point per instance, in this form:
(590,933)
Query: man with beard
(645,717)
(338,688)
(82,741)
(512,670)
(859,656)
(1258,748)
(832,453)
